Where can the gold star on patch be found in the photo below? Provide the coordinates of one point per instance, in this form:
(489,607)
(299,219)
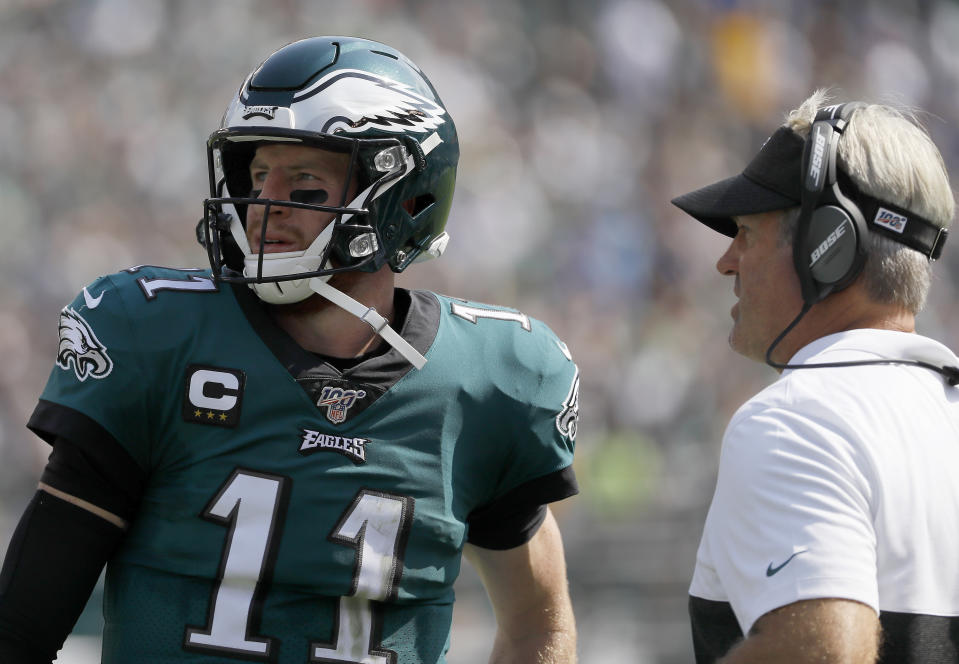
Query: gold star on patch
(197,413)
(209,414)
(223,417)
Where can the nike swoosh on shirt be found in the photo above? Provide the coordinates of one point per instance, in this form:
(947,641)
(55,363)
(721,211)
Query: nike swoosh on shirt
(92,302)
(772,570)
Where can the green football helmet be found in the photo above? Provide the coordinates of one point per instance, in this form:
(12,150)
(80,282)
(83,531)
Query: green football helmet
(348,95)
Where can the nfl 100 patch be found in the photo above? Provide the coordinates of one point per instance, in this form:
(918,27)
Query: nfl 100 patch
(337,401)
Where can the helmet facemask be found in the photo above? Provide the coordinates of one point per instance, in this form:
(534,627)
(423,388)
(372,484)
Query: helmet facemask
(349,241)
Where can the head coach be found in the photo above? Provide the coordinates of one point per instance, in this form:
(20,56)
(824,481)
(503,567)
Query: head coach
(832,534)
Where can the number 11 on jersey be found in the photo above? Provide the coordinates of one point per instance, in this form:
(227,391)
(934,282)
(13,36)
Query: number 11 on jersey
(249,504)
(376,525)
(252,506)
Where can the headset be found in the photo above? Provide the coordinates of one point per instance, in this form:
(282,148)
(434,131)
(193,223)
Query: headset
(828,250)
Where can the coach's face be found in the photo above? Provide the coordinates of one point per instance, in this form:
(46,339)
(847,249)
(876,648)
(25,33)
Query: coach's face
(766,285)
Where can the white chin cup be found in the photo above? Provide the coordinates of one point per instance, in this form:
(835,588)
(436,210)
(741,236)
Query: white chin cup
(288,262)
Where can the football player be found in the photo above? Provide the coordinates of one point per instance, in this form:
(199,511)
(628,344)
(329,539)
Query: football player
(282,458)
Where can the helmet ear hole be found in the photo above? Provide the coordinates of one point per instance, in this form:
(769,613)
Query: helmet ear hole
(417,204)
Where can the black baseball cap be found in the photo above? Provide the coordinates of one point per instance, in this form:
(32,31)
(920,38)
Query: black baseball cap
(771,181)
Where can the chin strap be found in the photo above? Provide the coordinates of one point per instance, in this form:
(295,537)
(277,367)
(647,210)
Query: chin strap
(371,317)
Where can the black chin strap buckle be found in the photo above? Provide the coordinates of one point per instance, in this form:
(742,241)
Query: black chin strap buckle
(200,233)
(219,222)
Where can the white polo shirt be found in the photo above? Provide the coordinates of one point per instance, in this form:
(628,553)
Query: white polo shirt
(840,482)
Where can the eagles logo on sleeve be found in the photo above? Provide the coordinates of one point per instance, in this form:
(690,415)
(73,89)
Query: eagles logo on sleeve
(80,349)
(568,418)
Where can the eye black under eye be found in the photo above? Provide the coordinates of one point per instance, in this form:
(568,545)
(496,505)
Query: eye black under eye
(314,196)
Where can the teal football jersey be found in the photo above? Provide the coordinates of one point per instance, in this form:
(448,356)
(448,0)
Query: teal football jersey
(295,512)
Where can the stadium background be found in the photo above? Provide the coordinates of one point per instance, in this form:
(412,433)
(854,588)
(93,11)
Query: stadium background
(578,120)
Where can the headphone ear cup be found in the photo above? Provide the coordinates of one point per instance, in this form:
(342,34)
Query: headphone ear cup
(828,251)
(833,248)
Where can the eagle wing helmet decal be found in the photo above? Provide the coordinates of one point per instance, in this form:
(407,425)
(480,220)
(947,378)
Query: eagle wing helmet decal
(354,101)
(80,347)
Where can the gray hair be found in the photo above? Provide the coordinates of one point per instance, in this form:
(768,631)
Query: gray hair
(890,156)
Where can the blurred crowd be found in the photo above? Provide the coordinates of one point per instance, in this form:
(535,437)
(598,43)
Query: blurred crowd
(578,121)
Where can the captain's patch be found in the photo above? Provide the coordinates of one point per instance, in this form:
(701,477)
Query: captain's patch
(213,395)
(79,348)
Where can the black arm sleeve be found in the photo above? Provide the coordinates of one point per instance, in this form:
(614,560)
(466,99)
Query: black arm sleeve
(58,550)
(52,565)
(514,518)
(87,461)
(103,475)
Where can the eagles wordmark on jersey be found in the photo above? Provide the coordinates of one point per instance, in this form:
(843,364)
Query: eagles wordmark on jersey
(296,512)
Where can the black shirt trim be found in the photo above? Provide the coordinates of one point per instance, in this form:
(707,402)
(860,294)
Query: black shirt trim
(908,638)
(715,629)
(513,519)
(87,461)
(918,638)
